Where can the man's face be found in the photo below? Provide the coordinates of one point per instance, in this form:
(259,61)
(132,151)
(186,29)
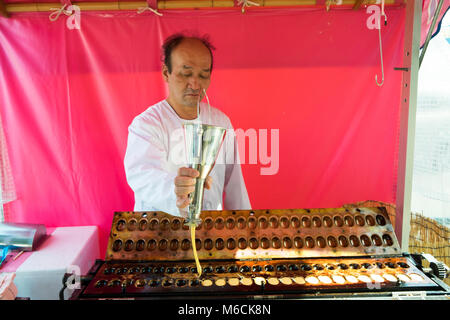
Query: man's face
(191,73)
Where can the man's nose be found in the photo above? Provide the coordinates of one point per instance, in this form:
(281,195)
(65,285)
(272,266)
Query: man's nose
(194,83)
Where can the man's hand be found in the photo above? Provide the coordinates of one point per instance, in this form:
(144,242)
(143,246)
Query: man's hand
(185,184)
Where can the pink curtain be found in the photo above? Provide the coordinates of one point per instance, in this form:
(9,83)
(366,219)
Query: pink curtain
(429,8)
(68,96)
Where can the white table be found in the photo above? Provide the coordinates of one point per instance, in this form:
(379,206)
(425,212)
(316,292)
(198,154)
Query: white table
(39,274)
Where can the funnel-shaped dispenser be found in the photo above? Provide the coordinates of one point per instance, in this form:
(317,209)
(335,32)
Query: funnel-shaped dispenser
(203,143)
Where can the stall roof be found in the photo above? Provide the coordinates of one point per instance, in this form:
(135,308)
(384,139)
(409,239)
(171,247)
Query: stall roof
(430,8)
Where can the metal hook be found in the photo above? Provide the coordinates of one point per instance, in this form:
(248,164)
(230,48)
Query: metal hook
(381,56)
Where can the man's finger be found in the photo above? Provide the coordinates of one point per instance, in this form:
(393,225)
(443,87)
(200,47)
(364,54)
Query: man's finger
(182,201)
(184,191)
(189,172)
(208,182)
(183,181)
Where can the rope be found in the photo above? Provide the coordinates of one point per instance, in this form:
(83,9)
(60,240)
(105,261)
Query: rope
(330,2)
(55,14)
(246,3)
(143,9)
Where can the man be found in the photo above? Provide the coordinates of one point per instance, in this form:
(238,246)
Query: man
(155,159)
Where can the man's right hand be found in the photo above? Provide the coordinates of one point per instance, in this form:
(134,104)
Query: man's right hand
(185,184)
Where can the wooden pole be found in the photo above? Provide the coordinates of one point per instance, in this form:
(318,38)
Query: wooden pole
(408,121)
(169,4)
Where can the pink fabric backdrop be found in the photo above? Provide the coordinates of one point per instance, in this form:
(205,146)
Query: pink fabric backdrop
(68,96)
(429,8)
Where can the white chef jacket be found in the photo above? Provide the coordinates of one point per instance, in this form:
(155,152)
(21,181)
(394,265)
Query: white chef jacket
(156,150)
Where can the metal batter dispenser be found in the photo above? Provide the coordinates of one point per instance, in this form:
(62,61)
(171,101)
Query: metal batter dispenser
(297,253)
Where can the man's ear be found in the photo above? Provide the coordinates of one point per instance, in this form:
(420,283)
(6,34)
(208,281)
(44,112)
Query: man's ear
(165,73)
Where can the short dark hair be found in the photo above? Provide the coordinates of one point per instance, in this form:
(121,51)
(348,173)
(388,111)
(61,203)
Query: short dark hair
(174,40)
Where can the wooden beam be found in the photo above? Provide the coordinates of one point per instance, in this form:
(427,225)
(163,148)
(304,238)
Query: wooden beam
(170,4)
(358,4)
(3,11)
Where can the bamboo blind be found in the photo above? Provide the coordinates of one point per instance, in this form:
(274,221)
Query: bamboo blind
(429,236)
(426,235)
